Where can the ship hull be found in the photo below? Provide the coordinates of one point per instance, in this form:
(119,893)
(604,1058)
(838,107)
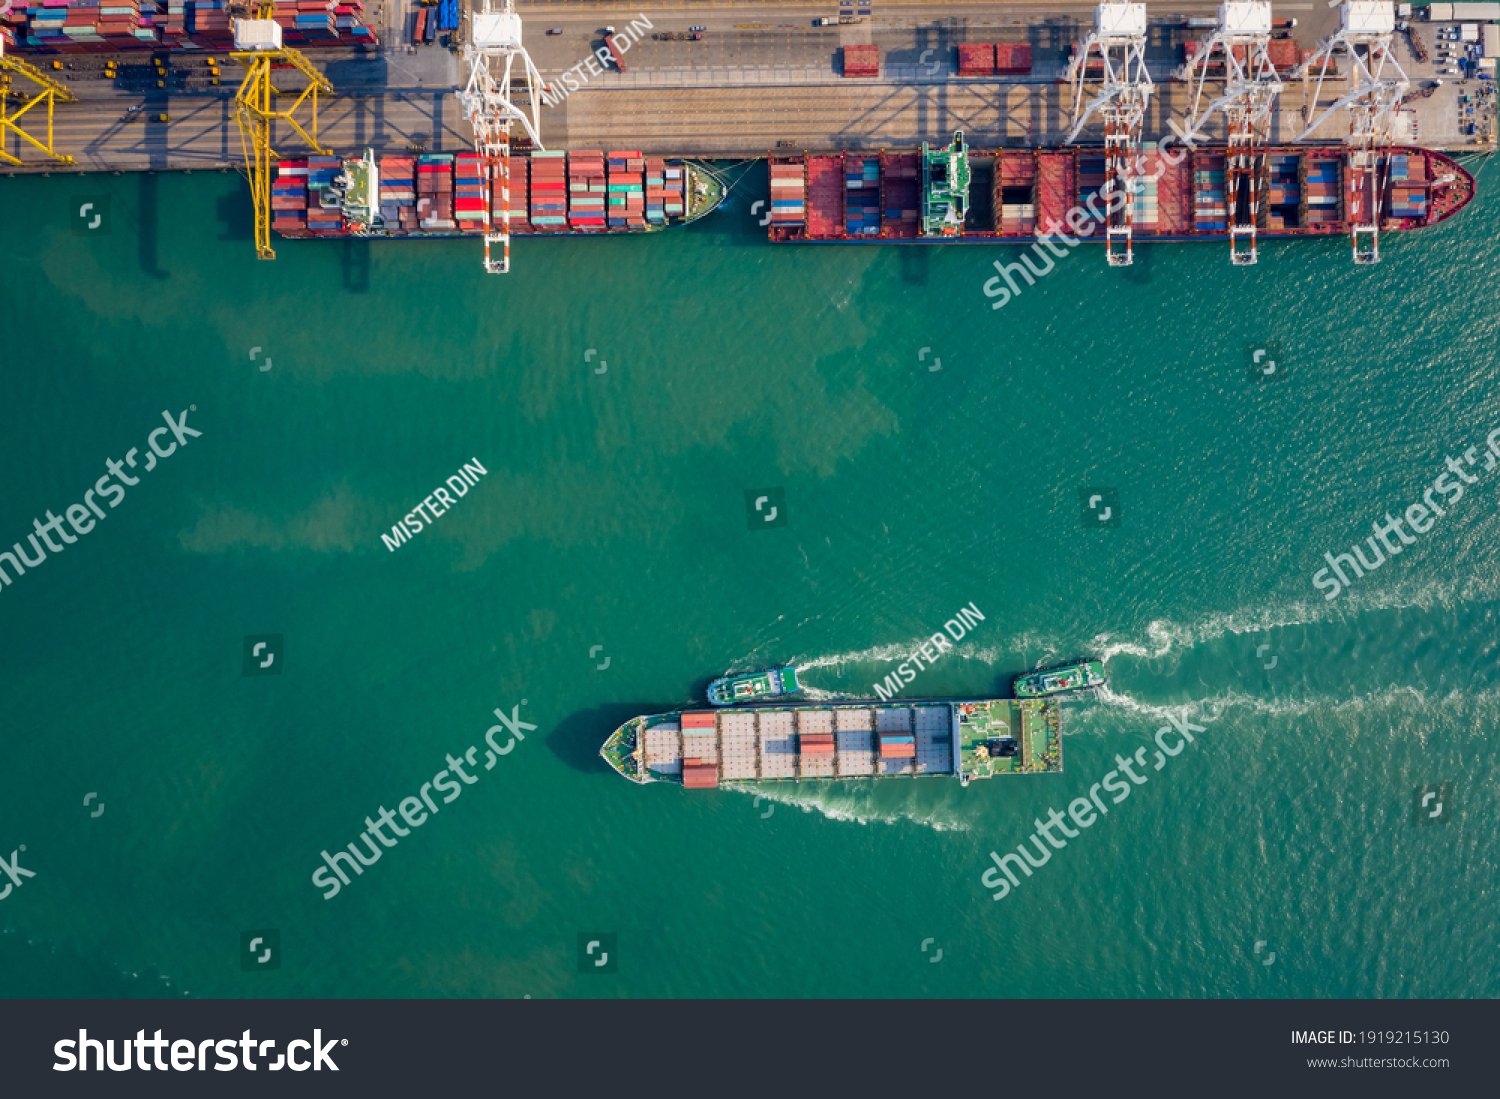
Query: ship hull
(443,197)
(799,742)
(847,198)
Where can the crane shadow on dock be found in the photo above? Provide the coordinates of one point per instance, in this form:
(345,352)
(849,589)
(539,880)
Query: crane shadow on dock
(577,738)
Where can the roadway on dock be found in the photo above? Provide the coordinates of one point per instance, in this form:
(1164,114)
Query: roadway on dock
(759,77)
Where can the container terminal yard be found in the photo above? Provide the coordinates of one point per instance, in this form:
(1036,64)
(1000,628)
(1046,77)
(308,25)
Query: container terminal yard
(1363,78)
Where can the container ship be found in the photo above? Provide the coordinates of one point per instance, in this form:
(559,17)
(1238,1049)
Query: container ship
(951,195)
(448,195)
(770,742)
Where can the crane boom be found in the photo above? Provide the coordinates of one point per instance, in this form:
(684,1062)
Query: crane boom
(258,47)
(49,93)
(490,56)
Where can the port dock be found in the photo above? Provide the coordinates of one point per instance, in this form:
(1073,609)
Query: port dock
(761,78)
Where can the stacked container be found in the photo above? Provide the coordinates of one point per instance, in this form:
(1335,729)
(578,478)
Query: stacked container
(788,193)
(322,172)
(861,60)
(1054,188)
(289,197)
(520,195)
(1091,179)
(1284,191)
(898,746)
(549,191)
(976,59)
(627,190)
(899,194)
(675,185)
(656,191)
(861,196)
(1323,193)
(470,189)
(1210,211)
(1013,59)
(1145,216)
(435,192)
(1408,187)
(398,191)
(815,744)
(586,190)
(825,196)
(108,26)
(1014,201)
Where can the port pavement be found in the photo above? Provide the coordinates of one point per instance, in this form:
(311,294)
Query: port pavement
(761,76)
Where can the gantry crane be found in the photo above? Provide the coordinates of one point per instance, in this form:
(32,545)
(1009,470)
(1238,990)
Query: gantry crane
(1119,39)
(1372,98)
(1251,86)
(14,105)
(257,46)
(490,54)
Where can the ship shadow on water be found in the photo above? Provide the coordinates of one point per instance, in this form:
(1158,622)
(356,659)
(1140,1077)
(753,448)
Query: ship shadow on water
(237,213)
(915,264)
(149,227)
(577,738)
(354,262)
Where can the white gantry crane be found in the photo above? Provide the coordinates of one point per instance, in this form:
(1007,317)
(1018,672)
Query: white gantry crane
(1251,85)
(490,55)
(1376,84)
(1118,40)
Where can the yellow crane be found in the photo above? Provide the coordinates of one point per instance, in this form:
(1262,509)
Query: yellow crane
(258,47)
(15,104)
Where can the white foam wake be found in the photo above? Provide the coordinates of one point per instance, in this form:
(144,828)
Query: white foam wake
(845,807)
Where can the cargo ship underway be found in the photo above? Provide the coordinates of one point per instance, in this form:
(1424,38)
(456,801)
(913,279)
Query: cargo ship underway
(447,195)
(769,742)
(1016,194)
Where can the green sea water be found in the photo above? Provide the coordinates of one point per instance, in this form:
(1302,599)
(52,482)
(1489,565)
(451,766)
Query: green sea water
(611,524)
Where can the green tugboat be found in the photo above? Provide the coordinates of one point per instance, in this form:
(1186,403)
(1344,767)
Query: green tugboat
(753,687)
(1083,675)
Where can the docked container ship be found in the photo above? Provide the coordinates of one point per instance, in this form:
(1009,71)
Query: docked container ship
(769,742)
(447,195)
(1018,193)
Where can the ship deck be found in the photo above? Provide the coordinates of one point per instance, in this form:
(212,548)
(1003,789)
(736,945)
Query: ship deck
(773,742)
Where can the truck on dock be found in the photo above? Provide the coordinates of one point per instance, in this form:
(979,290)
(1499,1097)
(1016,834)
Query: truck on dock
(614,50)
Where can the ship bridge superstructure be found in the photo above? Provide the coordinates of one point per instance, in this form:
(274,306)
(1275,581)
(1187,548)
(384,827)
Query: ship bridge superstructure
(1376,83)
(1120,96)
(494,57)
(1247,93)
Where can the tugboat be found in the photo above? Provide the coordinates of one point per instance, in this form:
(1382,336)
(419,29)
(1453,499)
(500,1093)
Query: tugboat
(753,686)
(1082,675)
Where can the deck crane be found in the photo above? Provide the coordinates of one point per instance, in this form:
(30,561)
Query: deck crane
(490,55)
(257,46)
(1376,84)
(1251,86)
(48,92)
(1119,41)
